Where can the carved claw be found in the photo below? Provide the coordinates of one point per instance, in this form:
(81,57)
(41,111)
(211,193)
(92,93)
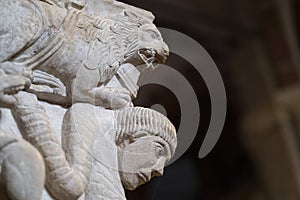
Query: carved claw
(10,85)
(10,68)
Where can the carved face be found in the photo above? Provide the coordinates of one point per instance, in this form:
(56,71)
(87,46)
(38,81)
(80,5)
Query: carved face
(141,159)
(151,48)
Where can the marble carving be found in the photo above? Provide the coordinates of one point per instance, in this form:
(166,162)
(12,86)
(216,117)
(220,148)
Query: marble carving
(69,70)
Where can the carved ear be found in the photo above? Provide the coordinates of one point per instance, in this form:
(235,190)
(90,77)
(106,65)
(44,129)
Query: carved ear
(130,14)
(139,15)
(59,3)
(78,4)
(135,17)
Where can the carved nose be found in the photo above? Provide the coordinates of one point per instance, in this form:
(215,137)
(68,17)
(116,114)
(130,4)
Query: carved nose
(166,53)
(166,50)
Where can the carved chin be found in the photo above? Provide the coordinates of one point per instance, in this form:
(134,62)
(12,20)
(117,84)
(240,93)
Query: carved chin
(131,181)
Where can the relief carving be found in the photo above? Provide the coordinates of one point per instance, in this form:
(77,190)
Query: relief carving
(68,76)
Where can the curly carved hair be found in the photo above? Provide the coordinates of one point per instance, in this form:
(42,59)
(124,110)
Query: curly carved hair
(137,119)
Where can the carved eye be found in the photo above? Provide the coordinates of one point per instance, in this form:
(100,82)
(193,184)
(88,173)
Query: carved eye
(153,34)
(159,150)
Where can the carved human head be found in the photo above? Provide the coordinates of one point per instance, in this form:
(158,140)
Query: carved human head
(146,141)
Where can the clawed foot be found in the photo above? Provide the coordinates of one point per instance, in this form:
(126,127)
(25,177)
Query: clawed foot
(10,85)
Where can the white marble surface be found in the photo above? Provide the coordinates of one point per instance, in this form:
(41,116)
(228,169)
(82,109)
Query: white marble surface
(67,80)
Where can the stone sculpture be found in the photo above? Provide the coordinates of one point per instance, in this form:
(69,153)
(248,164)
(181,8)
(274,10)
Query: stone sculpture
(88,65)
(19,161)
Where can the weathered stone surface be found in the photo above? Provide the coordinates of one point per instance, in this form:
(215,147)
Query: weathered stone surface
(68,73)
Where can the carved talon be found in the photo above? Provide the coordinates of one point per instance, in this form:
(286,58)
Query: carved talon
(10,85)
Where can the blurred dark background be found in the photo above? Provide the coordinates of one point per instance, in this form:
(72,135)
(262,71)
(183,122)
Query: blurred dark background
(255,44)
